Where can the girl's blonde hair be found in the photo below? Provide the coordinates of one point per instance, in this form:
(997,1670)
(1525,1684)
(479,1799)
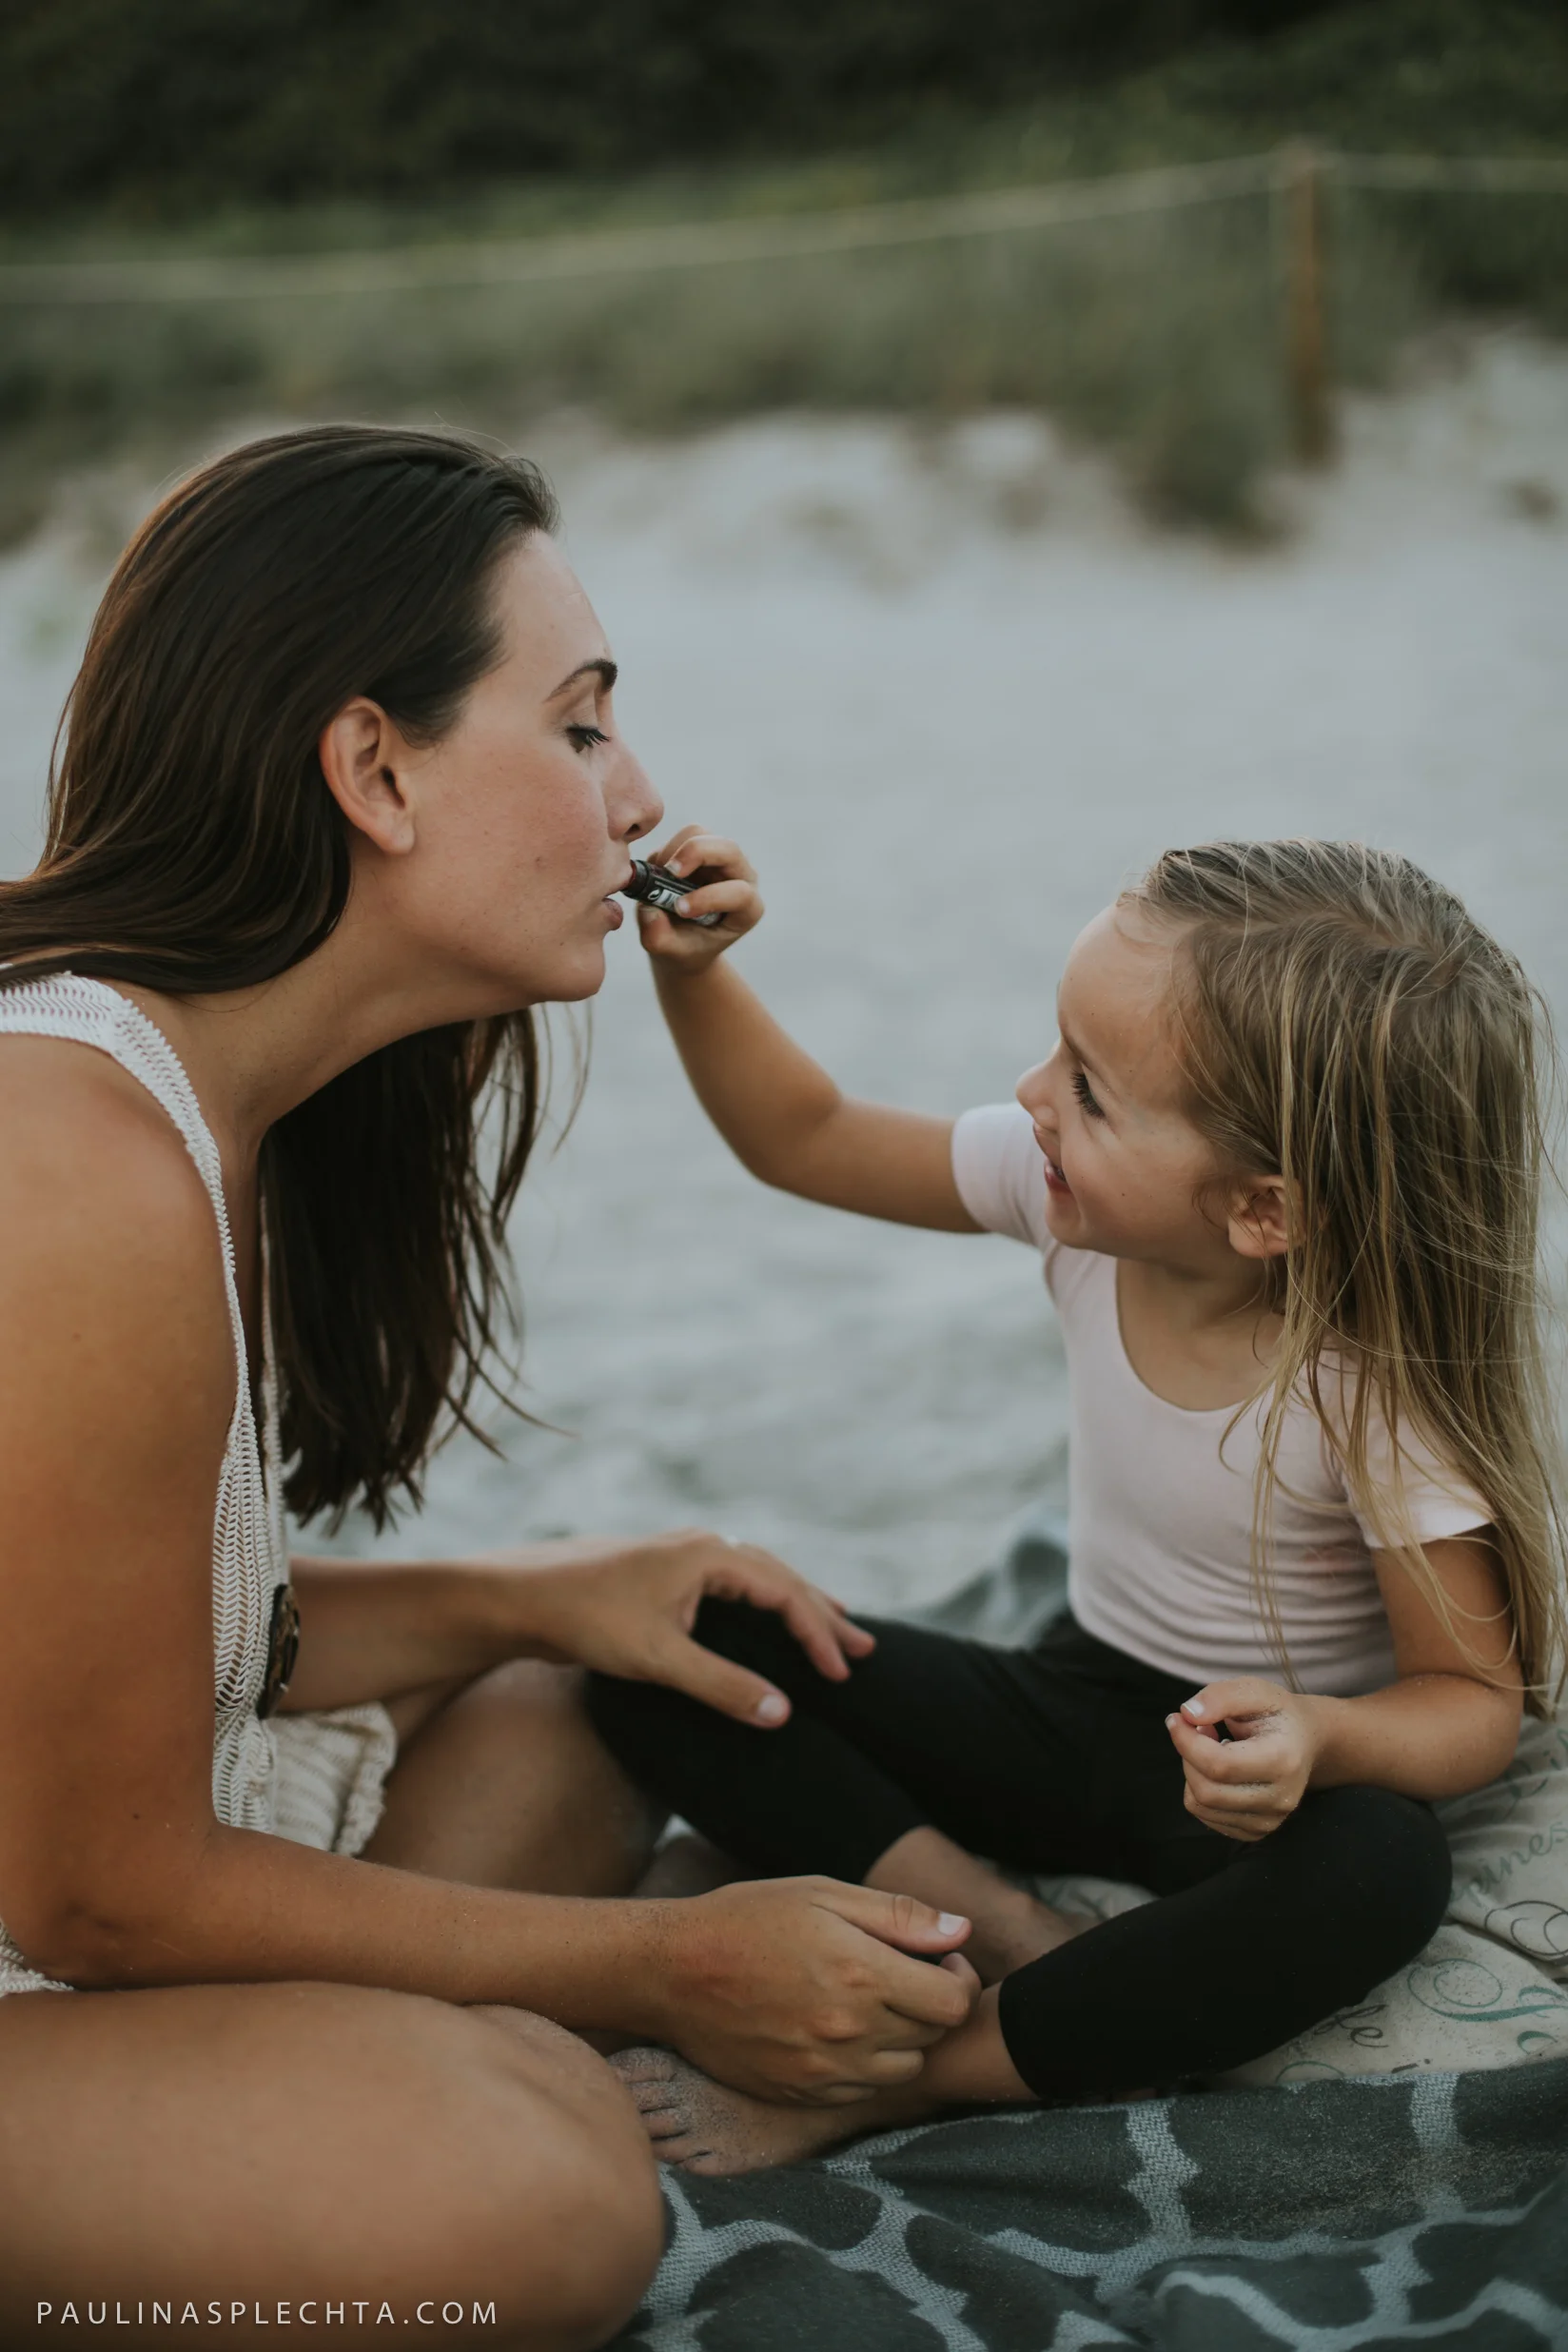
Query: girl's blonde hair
(1341,1021)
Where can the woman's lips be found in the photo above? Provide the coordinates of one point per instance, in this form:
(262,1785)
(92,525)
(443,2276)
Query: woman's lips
(615,911)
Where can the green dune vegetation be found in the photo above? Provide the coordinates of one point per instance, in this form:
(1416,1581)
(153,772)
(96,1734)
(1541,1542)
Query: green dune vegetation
(206,130)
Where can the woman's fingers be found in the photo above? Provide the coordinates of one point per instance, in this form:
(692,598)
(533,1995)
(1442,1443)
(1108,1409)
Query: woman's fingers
(854,1640)
(728,1688)
(931,1996)
(816,1622)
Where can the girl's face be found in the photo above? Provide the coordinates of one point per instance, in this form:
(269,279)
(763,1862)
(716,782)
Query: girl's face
(1123,1163)
(516,823)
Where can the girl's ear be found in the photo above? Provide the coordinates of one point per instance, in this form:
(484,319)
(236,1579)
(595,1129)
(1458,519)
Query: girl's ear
(1257,1225)
(362,753)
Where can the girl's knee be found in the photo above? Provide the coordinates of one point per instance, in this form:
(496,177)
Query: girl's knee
(1395,1853)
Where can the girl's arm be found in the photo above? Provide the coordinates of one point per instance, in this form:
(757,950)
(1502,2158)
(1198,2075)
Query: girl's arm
(1449,1724)
(777,1109)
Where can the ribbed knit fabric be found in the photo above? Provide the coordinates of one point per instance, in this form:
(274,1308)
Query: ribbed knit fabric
(315,1778)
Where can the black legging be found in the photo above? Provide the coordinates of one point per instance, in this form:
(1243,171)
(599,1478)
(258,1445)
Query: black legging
(1052,1758)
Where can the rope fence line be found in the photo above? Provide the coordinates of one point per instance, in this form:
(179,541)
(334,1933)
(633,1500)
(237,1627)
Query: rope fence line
(593,253)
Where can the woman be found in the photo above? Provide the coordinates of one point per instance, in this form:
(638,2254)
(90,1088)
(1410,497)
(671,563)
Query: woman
(341,797)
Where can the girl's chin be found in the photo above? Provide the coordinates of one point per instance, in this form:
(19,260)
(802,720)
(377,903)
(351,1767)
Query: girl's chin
(1063,1214)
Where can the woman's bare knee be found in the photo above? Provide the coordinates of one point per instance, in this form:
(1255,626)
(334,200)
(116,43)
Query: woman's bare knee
(262,2145)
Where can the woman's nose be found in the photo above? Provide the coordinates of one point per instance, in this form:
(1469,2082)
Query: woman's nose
(636,806)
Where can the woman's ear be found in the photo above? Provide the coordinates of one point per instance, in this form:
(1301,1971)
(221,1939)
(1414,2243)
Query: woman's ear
(1258,1223)
(362,755)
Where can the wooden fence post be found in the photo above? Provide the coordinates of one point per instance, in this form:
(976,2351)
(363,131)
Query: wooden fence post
(1306,325)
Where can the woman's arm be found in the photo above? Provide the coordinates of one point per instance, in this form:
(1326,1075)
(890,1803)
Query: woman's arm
(777,1109)
(116,1388)
(1449,1724)
(623,1604)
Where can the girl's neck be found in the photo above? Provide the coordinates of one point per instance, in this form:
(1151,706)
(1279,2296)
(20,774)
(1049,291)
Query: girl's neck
(1198,1339)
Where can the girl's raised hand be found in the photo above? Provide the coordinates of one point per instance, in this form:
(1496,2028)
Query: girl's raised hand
(726,886)
(1247,1785)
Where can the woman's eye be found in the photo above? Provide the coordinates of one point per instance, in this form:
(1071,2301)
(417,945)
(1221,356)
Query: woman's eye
(1086,1095)
(580,737)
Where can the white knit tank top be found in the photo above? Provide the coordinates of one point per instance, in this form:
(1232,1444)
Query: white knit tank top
(249,1549)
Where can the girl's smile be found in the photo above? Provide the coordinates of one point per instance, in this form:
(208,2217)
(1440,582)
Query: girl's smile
(1055,1180)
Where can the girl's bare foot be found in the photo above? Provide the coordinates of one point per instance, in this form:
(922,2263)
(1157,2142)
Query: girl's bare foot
(700,2126)
(685,1865)
(1011,1926)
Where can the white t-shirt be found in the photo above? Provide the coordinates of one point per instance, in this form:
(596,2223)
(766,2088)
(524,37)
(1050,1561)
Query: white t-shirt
(1161,1525)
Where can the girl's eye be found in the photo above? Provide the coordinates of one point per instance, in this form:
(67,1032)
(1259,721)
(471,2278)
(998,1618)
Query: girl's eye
(580,737)
(1086,1095)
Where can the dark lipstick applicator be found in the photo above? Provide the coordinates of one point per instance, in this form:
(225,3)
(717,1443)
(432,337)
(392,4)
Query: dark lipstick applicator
(657,887)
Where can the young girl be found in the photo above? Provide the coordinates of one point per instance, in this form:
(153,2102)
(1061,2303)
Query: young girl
(1282,1166)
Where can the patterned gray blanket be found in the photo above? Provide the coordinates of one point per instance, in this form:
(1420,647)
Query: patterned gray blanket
(1403,2181)
(1372,2213)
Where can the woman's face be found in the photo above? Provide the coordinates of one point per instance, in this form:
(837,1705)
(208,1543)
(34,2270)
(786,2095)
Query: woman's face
(521,815)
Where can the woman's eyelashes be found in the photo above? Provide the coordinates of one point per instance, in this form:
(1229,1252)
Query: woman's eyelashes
(1086,1095)
(580,737)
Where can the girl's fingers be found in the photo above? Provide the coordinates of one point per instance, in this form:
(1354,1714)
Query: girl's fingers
(666,849)
(690,852)
(1235,1701)
(729,898)
(1222,1761)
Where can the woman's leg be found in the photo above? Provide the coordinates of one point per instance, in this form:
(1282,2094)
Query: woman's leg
(503,1782)
(252,2145)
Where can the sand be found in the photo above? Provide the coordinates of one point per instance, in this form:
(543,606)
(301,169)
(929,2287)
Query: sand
(949,692)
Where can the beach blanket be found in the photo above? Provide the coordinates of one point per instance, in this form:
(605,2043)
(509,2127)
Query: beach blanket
(1397,2176)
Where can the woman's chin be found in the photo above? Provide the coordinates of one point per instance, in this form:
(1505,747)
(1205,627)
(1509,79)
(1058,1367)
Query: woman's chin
(579,975)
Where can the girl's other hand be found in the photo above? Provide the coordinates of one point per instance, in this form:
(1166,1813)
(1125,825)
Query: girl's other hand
(1247,1785)
(726,884)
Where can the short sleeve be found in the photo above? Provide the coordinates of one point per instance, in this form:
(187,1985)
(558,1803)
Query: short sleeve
(1437,1499)
(1000,1174)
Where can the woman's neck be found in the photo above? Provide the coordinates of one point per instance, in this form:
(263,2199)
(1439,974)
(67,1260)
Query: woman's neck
(252,1054)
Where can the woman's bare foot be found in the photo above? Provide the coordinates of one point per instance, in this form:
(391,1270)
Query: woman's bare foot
(700,2126)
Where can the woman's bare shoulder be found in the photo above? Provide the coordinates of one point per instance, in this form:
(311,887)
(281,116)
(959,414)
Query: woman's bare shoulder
(105,1222)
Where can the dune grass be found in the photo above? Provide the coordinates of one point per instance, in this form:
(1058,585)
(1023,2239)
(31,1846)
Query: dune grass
(1158,338)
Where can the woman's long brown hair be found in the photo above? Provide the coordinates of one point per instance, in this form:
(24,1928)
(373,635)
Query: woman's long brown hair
(1340,1019)
(193,847)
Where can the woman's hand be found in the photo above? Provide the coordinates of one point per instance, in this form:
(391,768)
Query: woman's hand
(727,887)
(627,1608)
(803,1989)
(1248,1785)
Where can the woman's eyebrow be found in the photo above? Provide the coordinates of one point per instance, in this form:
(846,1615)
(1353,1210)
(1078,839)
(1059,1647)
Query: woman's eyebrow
(608,673)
